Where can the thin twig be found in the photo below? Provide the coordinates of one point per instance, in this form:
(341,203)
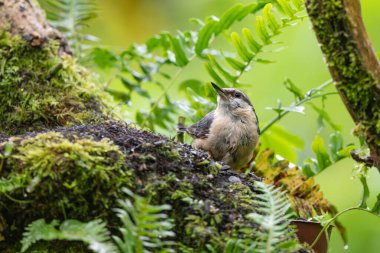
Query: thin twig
(307,98)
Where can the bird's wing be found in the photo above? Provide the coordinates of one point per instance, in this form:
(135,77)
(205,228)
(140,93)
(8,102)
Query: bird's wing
(201,129)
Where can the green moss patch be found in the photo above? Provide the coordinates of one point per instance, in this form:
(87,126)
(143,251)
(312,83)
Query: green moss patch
(41,88)
(52,176)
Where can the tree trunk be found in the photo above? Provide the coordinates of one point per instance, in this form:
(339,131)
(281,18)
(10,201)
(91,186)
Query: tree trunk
(353,65)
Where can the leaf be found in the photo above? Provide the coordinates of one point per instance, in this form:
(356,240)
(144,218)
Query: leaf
(346,152)
(272,218)
(269,17)
(323,115)
(286,8)
(134,87)
(193,84)
(335,145)
(282,141)
(235,63)
(204,36)
(94,233)
(322,156)
(221,70)
(233,246)
(242,51)
(103,58)
(309,168)
(70,17)
(215,75)
(213,26)
(363,202)
(179,50)
(252,43)
(281,109)
(293,88)
(376,207)
(144,227)
(119,95)
(262,30)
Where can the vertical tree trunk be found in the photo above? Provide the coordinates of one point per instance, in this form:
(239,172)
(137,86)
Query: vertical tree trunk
(352,63)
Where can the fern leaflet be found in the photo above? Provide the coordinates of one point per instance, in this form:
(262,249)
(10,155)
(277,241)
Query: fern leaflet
(70,17)
(274,234)
(94,233)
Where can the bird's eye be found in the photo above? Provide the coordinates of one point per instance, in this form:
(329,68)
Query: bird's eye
(237,95)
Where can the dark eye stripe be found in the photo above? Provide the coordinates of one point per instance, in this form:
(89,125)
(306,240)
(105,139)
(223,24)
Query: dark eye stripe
(246,99)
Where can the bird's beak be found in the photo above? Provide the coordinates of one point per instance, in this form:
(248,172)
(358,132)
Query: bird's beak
(219,90)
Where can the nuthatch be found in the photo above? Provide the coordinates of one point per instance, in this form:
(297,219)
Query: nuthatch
(230,132)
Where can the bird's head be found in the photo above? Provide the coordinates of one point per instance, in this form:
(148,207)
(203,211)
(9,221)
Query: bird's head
(232,100)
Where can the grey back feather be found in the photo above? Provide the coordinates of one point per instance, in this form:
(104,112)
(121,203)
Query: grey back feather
(201,129)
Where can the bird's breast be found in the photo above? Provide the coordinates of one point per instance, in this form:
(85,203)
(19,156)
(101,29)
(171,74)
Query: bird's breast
(229,135)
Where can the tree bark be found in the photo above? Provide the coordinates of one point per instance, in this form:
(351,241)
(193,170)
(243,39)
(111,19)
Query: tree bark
(353,64)
(24,18)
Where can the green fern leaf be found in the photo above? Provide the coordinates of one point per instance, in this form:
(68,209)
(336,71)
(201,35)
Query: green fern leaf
(214,26)
(224,72)
(235,63)
(242,51)
(179,51)
(298,4)
(272,217)
(252,43)
(94,233)
(145,227)
(269,17)
(70,17)
(262,30)
(215,75)
(287,8)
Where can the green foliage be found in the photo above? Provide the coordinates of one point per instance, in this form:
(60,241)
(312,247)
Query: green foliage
(143,64)
(93,233)
(323,157)
(274,233)
(70,17)
(145,227)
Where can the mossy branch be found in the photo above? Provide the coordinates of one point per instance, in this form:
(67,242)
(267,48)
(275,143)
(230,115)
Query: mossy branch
(25,19)
(352,62)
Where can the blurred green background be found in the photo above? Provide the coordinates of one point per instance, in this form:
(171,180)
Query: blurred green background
(124,22)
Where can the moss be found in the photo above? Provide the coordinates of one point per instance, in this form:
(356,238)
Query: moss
(41,88)
(330,22)
(62,177)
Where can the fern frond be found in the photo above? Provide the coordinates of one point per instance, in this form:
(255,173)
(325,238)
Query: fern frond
(94,233)
(274,234)
(145,227)
(247,48)
(70,17)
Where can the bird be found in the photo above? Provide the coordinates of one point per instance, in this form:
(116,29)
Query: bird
(229,133)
